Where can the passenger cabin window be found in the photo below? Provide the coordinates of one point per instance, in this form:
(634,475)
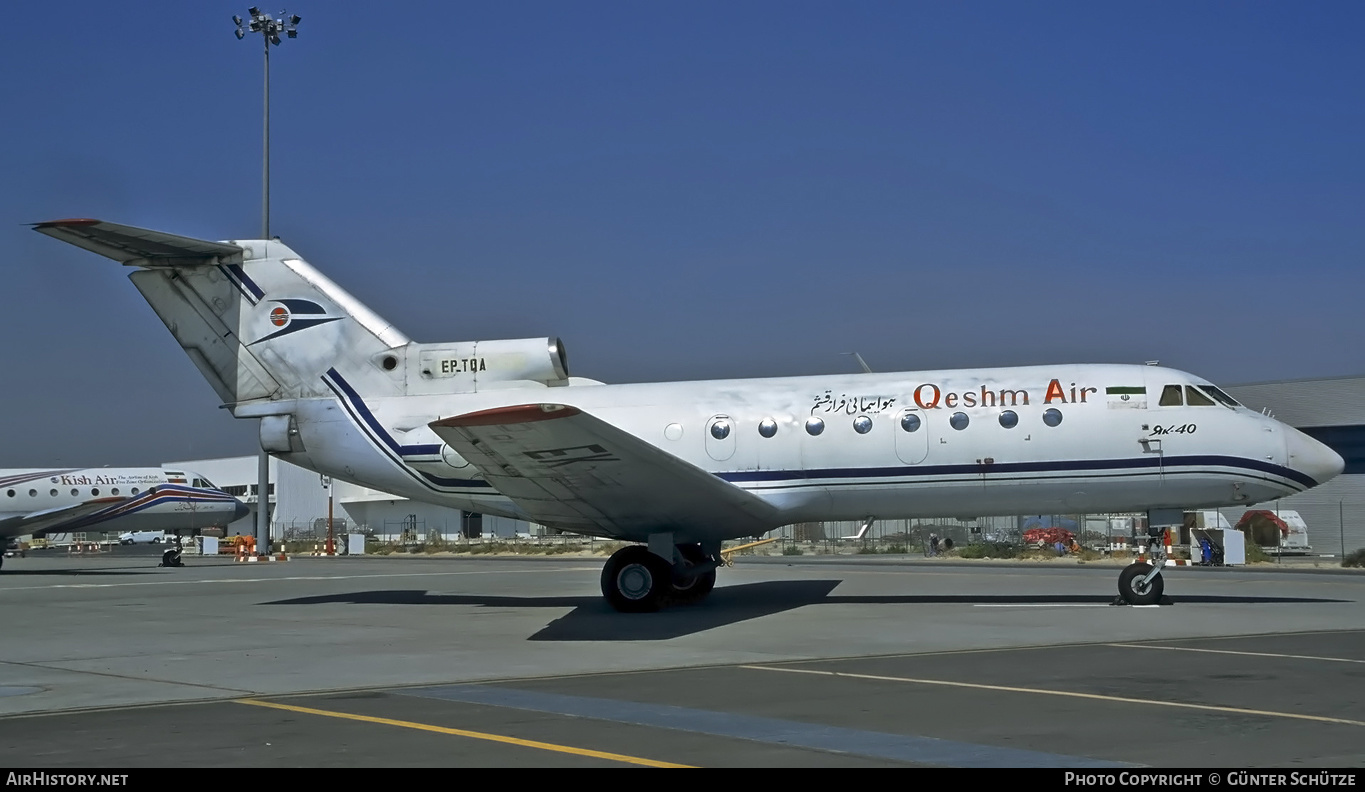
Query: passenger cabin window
(1170,396)
(1196,398)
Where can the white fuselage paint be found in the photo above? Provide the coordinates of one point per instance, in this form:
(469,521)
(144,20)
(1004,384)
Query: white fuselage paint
(145,499)
(1104,455)
(341,391)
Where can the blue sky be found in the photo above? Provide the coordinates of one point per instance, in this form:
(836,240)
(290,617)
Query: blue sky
(693,190)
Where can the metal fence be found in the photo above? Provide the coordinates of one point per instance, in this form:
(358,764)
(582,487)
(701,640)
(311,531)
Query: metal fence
(1336,528)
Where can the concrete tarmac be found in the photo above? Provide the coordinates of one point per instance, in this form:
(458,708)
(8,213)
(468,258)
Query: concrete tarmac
(110,661)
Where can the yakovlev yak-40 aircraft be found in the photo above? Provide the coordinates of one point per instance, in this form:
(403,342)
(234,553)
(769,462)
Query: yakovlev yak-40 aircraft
(51,501)
(500,427)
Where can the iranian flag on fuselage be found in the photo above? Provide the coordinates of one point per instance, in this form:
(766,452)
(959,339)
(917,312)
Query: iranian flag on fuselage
(1133,396)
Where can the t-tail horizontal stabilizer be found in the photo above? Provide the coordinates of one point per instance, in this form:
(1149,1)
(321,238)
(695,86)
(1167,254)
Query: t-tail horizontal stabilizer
(139,246)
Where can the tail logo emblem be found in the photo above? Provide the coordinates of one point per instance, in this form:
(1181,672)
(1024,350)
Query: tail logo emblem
(293,315)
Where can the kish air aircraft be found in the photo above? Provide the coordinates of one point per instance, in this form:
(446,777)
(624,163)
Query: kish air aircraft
(49,501)
(500,426)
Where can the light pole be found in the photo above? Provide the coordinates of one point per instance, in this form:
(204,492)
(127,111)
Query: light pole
(331,542)
(270,29)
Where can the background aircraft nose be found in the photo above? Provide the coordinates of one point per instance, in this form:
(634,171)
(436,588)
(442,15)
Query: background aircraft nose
(1312,458)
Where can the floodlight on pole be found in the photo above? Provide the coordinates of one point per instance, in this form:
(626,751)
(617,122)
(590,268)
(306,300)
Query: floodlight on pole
(270,29)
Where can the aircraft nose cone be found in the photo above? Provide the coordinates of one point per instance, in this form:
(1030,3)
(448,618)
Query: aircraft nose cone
(1312,458)
(240,510)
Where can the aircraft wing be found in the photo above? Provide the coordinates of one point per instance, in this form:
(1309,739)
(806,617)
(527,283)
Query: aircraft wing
(138,246)
(49,519)
(573,471)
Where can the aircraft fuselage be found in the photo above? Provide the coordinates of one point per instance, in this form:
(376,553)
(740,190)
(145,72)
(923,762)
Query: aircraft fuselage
(59,500)
(976,442)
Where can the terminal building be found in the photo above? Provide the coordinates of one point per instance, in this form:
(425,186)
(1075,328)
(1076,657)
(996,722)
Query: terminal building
(1330,410)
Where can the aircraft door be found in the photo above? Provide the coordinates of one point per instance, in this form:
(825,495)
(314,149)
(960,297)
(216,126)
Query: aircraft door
(912,436)
(1151,446)
(1151,402)
(720,437)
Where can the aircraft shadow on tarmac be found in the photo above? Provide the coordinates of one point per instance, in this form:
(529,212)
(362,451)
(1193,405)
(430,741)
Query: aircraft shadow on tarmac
(592,619)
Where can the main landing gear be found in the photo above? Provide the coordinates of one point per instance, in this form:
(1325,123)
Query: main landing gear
(1141,583)
(638,579)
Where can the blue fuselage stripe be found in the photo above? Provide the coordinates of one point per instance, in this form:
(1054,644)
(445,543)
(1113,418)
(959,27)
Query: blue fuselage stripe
(356,406)
(147,500)
(1002,470)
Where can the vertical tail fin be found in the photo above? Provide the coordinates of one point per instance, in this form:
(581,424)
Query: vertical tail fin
(264,326)
(271,327)
(258,321)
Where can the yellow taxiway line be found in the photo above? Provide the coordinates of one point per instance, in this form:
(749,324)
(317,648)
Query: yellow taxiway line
(464,733)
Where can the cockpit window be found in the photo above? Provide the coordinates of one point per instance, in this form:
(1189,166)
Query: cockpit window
(1170,396)
(1196,398)
(1220,396)
(203,483)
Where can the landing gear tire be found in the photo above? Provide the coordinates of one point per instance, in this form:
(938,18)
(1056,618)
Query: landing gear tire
(171,558)
(635,580)
(692,590)
(695,590)
(1132,589)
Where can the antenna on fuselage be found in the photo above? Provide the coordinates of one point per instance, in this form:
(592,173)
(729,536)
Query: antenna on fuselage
(861,362)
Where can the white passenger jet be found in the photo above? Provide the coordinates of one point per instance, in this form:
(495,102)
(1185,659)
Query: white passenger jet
(52,501)
(500,427)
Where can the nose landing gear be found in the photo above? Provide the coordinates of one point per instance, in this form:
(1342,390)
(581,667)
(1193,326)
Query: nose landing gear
(171,557)
(1141,583)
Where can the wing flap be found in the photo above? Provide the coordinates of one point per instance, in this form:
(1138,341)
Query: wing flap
(139,246)
(571,470)
(51,519)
